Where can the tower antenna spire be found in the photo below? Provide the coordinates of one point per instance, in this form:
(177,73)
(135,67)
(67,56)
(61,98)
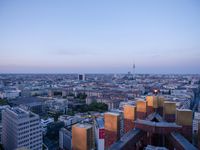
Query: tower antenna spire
(134,69)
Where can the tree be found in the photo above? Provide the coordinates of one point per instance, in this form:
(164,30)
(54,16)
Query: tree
(3,102)
(82,96)
(53,130)
(95,106)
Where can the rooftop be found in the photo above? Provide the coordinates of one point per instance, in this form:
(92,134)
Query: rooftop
(184,110)
(183,141)
(112,113)
(151,147)
(125,139)
(157,124)
(83,125)
(19,111)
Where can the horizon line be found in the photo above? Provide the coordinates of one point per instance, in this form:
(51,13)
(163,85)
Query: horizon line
(59,73)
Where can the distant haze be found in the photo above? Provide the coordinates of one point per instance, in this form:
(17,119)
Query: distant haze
(105,36)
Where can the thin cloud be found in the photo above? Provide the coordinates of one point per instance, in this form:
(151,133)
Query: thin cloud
(73,52)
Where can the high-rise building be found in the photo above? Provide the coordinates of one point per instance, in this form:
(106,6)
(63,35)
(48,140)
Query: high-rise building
(129,117)
(121,116)
(99,133)
(65,139)
(160,100)
(169,111)
(1,109)
(184,118)
(198,136)
(21,128)
(112,128)
(196,121)
(141,109)
(82,137)
(81,77)
(172,130)
(152,104)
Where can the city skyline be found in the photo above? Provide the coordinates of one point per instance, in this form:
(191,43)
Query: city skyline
(99,37)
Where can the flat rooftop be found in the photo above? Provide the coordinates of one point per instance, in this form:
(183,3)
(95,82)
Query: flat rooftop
(184,110)
(83,125)
(169,102)
(112,113)
(18,111)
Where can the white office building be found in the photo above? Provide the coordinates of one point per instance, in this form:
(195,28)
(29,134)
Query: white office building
(45,123)
(21,128)
(196,121)
(65,139)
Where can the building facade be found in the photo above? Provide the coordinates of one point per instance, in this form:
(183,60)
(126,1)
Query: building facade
(21,128)
(65,139)
(82,137)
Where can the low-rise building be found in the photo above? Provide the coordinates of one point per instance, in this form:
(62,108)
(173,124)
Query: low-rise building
(45,123)
(69,120)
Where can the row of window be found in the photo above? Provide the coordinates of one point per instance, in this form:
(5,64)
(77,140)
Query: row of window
(23,137)
(34,128)
(22,128)
(24,141)
(24,123)
(24,132)
(34,137)
(33,120)
(38,146)
(35,124)
(35,132)
(36,141)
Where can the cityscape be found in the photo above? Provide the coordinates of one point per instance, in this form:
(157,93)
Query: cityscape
(99,75)
(100,111)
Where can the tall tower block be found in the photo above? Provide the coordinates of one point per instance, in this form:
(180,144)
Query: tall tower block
(161,101)
(129,117)
(141,109)
(82,137)
(152,104)
(169,111)
(112,128)
(184,118)
(199,135)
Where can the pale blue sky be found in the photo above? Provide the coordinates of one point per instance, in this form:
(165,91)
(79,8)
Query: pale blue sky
(97,36)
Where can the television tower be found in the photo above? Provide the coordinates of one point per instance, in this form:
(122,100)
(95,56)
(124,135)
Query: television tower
(134,71)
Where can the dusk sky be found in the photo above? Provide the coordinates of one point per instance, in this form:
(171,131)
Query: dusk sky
(99,36)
